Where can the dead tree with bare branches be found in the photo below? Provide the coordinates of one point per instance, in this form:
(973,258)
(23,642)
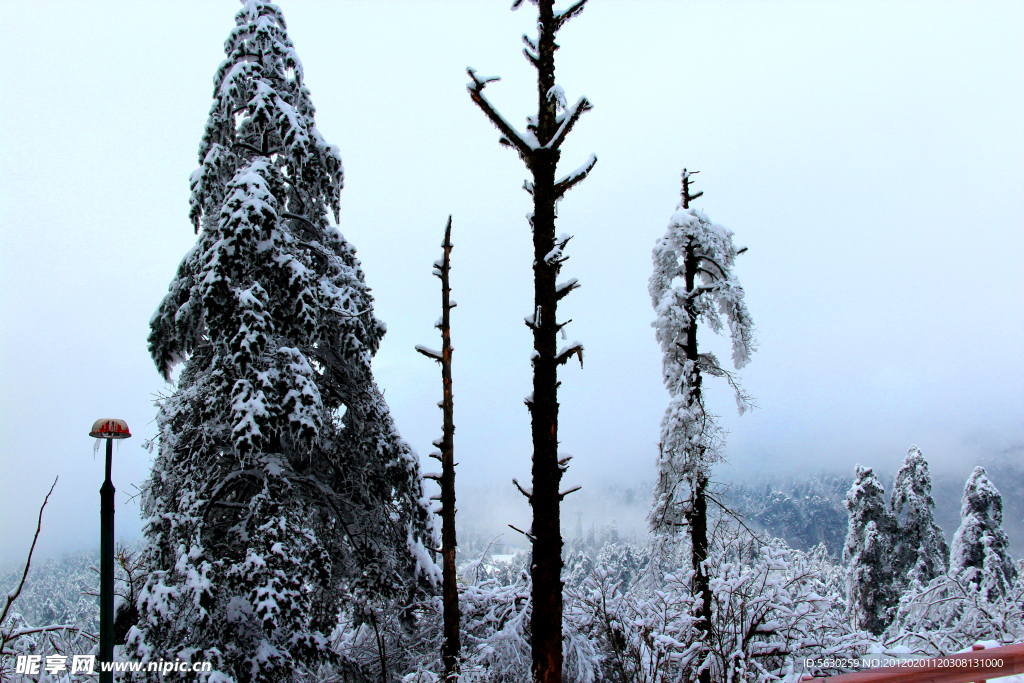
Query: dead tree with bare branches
(451,646)
(539,148)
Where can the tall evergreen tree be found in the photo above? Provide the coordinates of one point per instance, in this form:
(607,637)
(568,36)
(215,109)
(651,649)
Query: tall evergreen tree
(980,544)
(871,595)
(921,552)
(281,491)
(540,148)
(693,283)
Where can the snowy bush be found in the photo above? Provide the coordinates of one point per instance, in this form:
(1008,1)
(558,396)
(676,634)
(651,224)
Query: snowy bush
(771,607)
(956,610)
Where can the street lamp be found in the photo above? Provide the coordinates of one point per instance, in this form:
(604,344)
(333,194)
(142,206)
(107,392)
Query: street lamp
(108,429)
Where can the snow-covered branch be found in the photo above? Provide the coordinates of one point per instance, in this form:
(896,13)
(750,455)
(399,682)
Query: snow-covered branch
(569,119)
(568,13)
(511,136)
(567,352)
(432,354)
(568,182)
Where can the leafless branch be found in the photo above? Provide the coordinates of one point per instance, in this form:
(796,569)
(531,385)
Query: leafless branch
(566,354)
(567,14)
(562,290)
(513,136)
(571,117)
(13,595)
(708,363)
(529,536)
(574,178)
(563,494)
(430,353)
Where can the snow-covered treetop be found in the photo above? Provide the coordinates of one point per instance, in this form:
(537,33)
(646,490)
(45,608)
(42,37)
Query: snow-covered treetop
(261,105)
(866,498)
(716,291)
(980,545)
(912,488)
(981,498)
(270,285)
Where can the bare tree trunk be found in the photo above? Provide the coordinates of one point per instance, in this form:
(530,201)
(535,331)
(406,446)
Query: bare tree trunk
(541,156)
(698,512)
(451,647)
(546,619)
(540,152)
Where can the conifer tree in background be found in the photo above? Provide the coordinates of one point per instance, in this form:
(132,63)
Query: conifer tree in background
(281,491)
(539,148)
(921,552)
(871,596)
(693,283)
(980,544)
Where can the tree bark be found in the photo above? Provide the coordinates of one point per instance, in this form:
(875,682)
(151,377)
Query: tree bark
(546,620)
(541,159)
(451,646)
(698,511)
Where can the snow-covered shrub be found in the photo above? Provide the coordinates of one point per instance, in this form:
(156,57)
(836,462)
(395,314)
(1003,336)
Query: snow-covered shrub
(641,637)
(958,609)
(772,606)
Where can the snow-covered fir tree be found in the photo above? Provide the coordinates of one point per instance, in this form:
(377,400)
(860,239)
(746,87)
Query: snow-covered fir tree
(281,492)
(980,544)
(871,596)
(921,551)
(693,283)
(578,568)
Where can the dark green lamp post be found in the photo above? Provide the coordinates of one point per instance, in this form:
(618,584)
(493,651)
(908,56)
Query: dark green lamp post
(108,429)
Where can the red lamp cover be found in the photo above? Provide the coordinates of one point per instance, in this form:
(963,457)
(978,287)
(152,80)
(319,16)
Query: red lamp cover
(110,428)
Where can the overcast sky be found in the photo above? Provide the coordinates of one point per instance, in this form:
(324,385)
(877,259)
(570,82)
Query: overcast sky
(870,154)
